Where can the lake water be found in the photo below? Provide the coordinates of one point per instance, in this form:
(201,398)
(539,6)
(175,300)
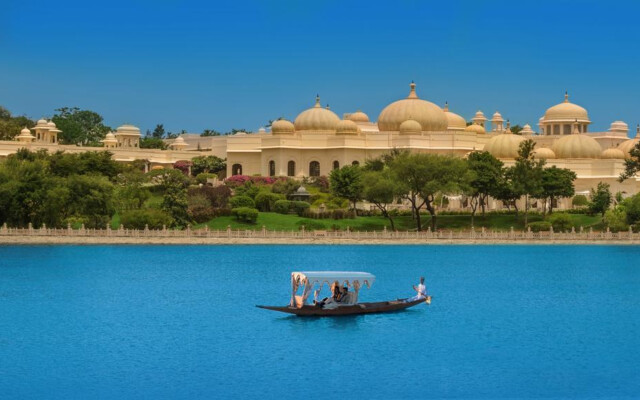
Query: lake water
(150,322)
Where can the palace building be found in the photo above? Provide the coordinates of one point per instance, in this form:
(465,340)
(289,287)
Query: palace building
(318,140)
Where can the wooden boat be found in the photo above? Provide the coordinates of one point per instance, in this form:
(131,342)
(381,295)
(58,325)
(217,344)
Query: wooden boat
(309,279)
(359,308)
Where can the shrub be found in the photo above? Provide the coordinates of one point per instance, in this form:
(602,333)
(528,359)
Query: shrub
(245,214)
(310,224)
(282,206)
(580,200)
(265,201)
(539,226)
(321,182)
(286,186)
(199,208)
(300,207)
(242,201)
(560,221)
(202,178)
(616,219)
(137,219)
(182,165)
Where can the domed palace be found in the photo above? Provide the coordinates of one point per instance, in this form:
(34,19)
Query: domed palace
(318,140)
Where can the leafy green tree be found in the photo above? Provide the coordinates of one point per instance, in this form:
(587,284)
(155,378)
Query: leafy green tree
(150,217)
(150,142)
(508,191)
(210,132)
(207,164)
(600,199)
(557,183)
(80,127)
(516,129)
(486,171)
(89,162)
(632,209)
(173,184)
(11,126)
(380,190)
(346,182)
(528,174)
(616,219)
(631,164)
(580,201)
(422,176)
(92,199)
(158,132)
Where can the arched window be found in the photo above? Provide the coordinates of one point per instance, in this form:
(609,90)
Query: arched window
(314,168)
(336,165)
(355,163)
(272,168)
(291,168)
(236,169)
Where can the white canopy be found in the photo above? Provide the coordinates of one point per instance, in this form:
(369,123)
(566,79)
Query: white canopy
(310,278)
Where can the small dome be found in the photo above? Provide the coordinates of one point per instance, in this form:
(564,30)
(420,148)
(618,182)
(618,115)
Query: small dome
(620,127)
(454,121)
(577,145)
(475,128)
(479,117)
(628,145)
(428,115)
(566,111)
(526,130)
(42,122)
(262,130)
(179,139)
(613,153)
(497,117)
(410,127)
(128,130)
(51,124)
(110,136)
(346,127)
(316,118)
(281,126)
(544,153)
(25,135)
(504,145)
(358,116)
(25,131)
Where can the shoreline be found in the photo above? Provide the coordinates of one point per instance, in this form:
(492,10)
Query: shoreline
(116,240)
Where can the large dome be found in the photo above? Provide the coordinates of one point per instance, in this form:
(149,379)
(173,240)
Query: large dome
(428,115)
(454,121)
(504,145)
(316,118)
(577,145)
(566,111)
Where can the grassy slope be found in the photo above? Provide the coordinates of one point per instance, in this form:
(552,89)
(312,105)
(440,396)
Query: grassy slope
(273,221)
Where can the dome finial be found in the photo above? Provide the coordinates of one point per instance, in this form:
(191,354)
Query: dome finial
(508,127)
(566,96)
(317,101)
(638,131)
(446,106)
(576,129)
(327,107)
(412,93)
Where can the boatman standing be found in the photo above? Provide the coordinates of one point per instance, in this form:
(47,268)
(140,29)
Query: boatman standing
(421,290)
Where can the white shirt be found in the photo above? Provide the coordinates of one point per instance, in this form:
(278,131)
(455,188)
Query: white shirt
(422,290)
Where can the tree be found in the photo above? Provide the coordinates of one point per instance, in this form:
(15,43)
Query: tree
(210,132)
(631,164)
(486,171)
(557,183)
(346,182)
(508,191)
(150,142)
(380,190)
(173,184)
(600,199)
(80,127)
(516,129)
(421,176)
(11,126)
(528,174)
(207,164)
(158,132)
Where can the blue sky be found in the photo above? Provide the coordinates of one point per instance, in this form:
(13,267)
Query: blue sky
(220,65)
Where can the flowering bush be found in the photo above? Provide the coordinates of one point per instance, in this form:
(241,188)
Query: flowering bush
(239,180)
(182,166)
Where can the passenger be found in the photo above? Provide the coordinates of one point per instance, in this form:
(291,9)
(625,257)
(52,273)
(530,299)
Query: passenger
(335,296)
(421,290)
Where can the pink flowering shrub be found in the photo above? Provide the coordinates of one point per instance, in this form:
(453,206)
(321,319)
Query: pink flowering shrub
(239,180)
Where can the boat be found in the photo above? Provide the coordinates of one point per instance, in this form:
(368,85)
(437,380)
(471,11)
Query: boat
(310,281)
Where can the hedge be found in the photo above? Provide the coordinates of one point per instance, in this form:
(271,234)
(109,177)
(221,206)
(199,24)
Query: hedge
(137,219)
(245,214)
(242,201)
(540,226)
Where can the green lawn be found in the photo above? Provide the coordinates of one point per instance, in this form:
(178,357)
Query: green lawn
(273,221)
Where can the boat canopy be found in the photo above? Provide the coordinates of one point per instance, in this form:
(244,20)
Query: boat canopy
(308,279)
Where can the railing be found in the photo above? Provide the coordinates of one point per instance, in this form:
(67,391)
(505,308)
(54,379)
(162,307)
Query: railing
(263,233)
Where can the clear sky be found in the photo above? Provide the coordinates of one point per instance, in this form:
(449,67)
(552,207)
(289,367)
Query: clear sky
(220,65)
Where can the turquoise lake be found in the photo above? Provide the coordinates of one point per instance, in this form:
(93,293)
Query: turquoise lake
(155,322)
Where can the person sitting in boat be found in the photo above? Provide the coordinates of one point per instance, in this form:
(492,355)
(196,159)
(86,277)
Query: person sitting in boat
(421,290)
(335,296)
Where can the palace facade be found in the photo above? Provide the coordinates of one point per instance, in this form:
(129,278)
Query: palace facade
(318,141)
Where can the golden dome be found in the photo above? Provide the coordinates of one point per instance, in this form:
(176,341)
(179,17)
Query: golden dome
(475,128)
(281,126)
(347,127)
(128,130)
(25,135)
(613,153)
(566,111)
(316,118)
(497,117)
(504,145)
(628,145)
(543,153)
(358,116)
(454,121)
(479,118)
(42,122)
(410,127)
(428,115)
(619,127)
(577,145)
(526,130)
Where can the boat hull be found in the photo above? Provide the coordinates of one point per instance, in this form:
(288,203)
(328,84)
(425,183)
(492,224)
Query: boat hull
(360,308)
